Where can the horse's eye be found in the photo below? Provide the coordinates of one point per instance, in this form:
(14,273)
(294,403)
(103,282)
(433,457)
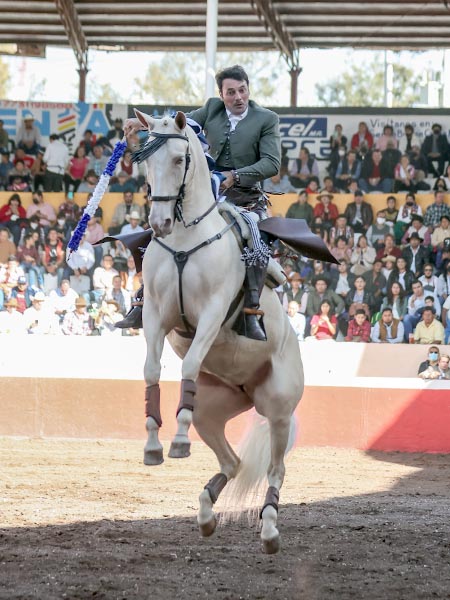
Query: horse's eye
(179,160)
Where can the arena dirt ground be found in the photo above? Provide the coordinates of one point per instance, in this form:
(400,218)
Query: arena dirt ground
(86,519)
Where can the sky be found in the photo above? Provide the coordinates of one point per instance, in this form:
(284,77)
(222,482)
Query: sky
(55,78)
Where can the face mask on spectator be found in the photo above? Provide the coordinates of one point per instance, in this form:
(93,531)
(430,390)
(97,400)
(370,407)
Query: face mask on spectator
(33,225)
(381,220)
(36,200)
(61,222)
(341,152)
(433,355)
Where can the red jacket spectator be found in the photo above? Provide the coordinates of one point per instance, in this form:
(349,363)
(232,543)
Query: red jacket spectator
(6,213)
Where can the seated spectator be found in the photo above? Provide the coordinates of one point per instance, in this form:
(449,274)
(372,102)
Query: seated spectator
(419,162)
(432,360)
(303,168)
(4,137)
(133,226)
(362,140)
(405,215)
(116,134)
(375,283)
(318,228)
(11,320)
(328,186)
(388,330)
(19,179)
(375,175)
(326,210)
(415,255)
(29,259)
(357,298)
(124,183)
(347,169)
(345,280)
(390,158)
(103,278)
(429,330)
(119,252)
(78,321)
(6,166)
(429,281)
(359,213)
(56,159)
(318,269)
(397,300)
(27,159)
(388,248)
(439,237)
(9,275)
(297,320)
(358,328)
(81,265)
(62,300)
(337,155)
(43,210)
(402,274)
(295,292)
(440,185)
(98,161)
(408,140)
(441,371)
(301,209)
(391,210)
(278,184)
(389,264)
(122,213)
(341,229)
(324,322)
(416,304)
(341,251)
(29,137)
(362,257)
(38,171)
(89,184)
(12,216)
(70,209)
(54,256)
(337,138)
(435,211)
(7,246)
(39,319)
(386,138)
(107,317)
(435,149)
(22,293)
(87,142)
(312,189)
(418,227)
(447,177)
(404,176)
(378,231)
(76,170)
(131,168)
(119,294)
(130,278)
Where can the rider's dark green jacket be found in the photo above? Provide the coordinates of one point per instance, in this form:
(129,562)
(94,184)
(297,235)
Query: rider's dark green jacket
(254,144)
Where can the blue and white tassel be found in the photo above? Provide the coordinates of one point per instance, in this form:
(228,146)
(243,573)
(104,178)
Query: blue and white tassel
(95,199)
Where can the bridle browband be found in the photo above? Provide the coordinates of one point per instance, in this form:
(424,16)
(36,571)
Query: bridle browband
(147,150)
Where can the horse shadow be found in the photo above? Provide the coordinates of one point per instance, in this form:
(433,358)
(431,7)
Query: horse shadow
(393,543)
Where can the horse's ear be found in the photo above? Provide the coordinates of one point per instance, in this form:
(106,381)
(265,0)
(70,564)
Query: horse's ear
(147,121)
(180,120)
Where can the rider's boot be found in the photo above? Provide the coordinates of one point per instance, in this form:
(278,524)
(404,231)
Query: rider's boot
(248,323)
(133,319)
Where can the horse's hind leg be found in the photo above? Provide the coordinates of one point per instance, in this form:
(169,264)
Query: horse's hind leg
(216,404)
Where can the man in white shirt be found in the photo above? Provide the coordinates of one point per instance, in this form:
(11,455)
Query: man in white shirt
(56,158)
(63,299)
(133,226)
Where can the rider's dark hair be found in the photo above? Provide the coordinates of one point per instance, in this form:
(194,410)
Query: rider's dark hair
(235,72)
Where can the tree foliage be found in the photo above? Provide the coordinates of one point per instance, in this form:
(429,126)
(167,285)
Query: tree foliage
(363,85)
(5,78)
(179,78)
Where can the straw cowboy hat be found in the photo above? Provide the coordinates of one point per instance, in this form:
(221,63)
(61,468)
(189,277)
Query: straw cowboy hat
(80,301)
(323,195)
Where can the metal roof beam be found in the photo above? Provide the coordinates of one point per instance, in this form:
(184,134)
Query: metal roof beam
(275,27)
(74,31)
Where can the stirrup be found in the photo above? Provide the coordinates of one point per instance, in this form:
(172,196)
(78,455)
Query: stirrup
(248,325)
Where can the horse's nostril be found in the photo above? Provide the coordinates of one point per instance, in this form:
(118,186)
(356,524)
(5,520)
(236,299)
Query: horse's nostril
(167,223)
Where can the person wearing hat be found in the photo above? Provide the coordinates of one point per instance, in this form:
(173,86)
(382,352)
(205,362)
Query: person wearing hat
(78,321)
(359,213)
(124,183)
(388,265)
(39,318)
(22,293)
(415,254)
(9,274)
(122,213)
(435,148)
(11,320)
(326,210)
(418,227)
(29,136)
(107,317)
(133,226)
(295,293)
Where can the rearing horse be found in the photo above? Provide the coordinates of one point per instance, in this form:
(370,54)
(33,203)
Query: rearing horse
(191,280)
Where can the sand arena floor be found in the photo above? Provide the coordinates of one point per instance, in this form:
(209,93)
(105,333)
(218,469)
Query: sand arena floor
(86,519)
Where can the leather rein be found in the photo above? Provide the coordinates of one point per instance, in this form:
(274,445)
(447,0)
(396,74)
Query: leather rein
(181,257)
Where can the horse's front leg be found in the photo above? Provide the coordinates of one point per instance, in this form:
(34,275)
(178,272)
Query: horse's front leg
(154,335)
(206,332)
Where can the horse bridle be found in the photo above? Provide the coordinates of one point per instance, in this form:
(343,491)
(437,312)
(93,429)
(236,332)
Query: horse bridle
(149,149)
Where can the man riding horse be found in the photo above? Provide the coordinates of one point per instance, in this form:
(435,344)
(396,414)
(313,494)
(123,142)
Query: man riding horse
(244,141)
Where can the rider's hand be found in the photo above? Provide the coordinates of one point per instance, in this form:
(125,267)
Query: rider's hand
(132,126)
(228,182)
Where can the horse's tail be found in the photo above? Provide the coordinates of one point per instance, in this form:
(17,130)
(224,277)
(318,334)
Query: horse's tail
(245,490)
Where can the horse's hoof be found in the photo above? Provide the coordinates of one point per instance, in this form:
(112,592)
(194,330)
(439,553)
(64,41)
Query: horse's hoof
(208,528)
(153,457)
(180,449)
(271,546)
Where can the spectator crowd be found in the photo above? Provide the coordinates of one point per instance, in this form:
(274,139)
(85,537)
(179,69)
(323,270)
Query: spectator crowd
(391,283)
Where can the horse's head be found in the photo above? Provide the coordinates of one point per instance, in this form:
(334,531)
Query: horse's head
(166,155)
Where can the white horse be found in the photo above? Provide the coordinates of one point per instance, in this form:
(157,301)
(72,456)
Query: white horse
(223,374)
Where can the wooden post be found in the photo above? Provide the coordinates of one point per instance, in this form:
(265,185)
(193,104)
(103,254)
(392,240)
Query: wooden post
(294,73)
(82,85)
